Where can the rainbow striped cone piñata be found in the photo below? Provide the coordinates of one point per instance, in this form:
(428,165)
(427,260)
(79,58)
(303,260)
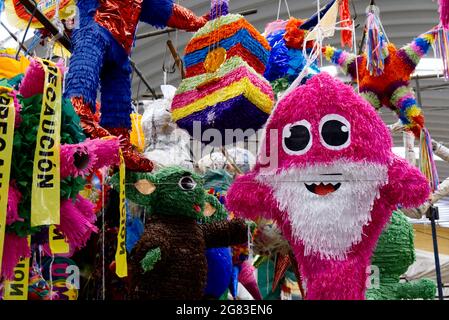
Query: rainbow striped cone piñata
(224,88)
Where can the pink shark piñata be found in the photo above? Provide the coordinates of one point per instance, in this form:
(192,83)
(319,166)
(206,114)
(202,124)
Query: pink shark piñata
(333,187)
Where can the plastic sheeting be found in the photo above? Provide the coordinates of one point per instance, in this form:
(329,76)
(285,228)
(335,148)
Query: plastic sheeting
(243,159)
(165,143)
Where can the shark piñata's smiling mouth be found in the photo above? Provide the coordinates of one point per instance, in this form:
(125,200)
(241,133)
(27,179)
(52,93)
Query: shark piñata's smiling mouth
(322,189)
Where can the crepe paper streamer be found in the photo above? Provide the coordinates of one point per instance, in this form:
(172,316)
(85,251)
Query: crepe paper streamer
(15,248)
(346,24)
(57,242)
(224,88)
(19,17)
(298,276)
(137,137)
(17,287)
(375,45)
(77,222)
(14,199)
(444,13)
(219,8)
(441,49)
(120,255)
(45,194)
(7,119)
(427,162)
(281,266)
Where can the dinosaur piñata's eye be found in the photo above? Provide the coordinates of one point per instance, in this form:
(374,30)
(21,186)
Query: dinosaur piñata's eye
(296,138)
(335,132)
(187,183)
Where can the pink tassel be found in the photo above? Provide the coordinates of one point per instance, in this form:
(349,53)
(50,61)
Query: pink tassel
(33,82)
(87,208)
(444,13)
(75,225)
(247,279)
(15,248)
(14,197)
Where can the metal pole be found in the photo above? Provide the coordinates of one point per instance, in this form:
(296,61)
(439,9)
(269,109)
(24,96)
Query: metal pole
(12,35)
(169,30)
(418,91)
(155,33)
(61,38)
(433,215)
(141,76)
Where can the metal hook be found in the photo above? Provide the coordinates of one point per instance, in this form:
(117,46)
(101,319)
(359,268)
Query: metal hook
(164,68)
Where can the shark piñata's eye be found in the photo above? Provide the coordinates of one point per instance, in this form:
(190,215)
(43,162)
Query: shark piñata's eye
(335,132)
(296,138)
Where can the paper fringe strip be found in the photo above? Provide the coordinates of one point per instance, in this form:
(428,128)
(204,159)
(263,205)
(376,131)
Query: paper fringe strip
(375,45)
(346,22)
(444,13)
(427,162)
(282,264)
(15,247)
(441,49)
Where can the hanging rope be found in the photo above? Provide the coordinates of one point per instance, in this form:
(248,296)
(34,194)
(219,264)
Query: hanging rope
(279,9)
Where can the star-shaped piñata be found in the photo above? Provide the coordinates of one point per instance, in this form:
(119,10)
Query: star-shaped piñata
(392,87)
